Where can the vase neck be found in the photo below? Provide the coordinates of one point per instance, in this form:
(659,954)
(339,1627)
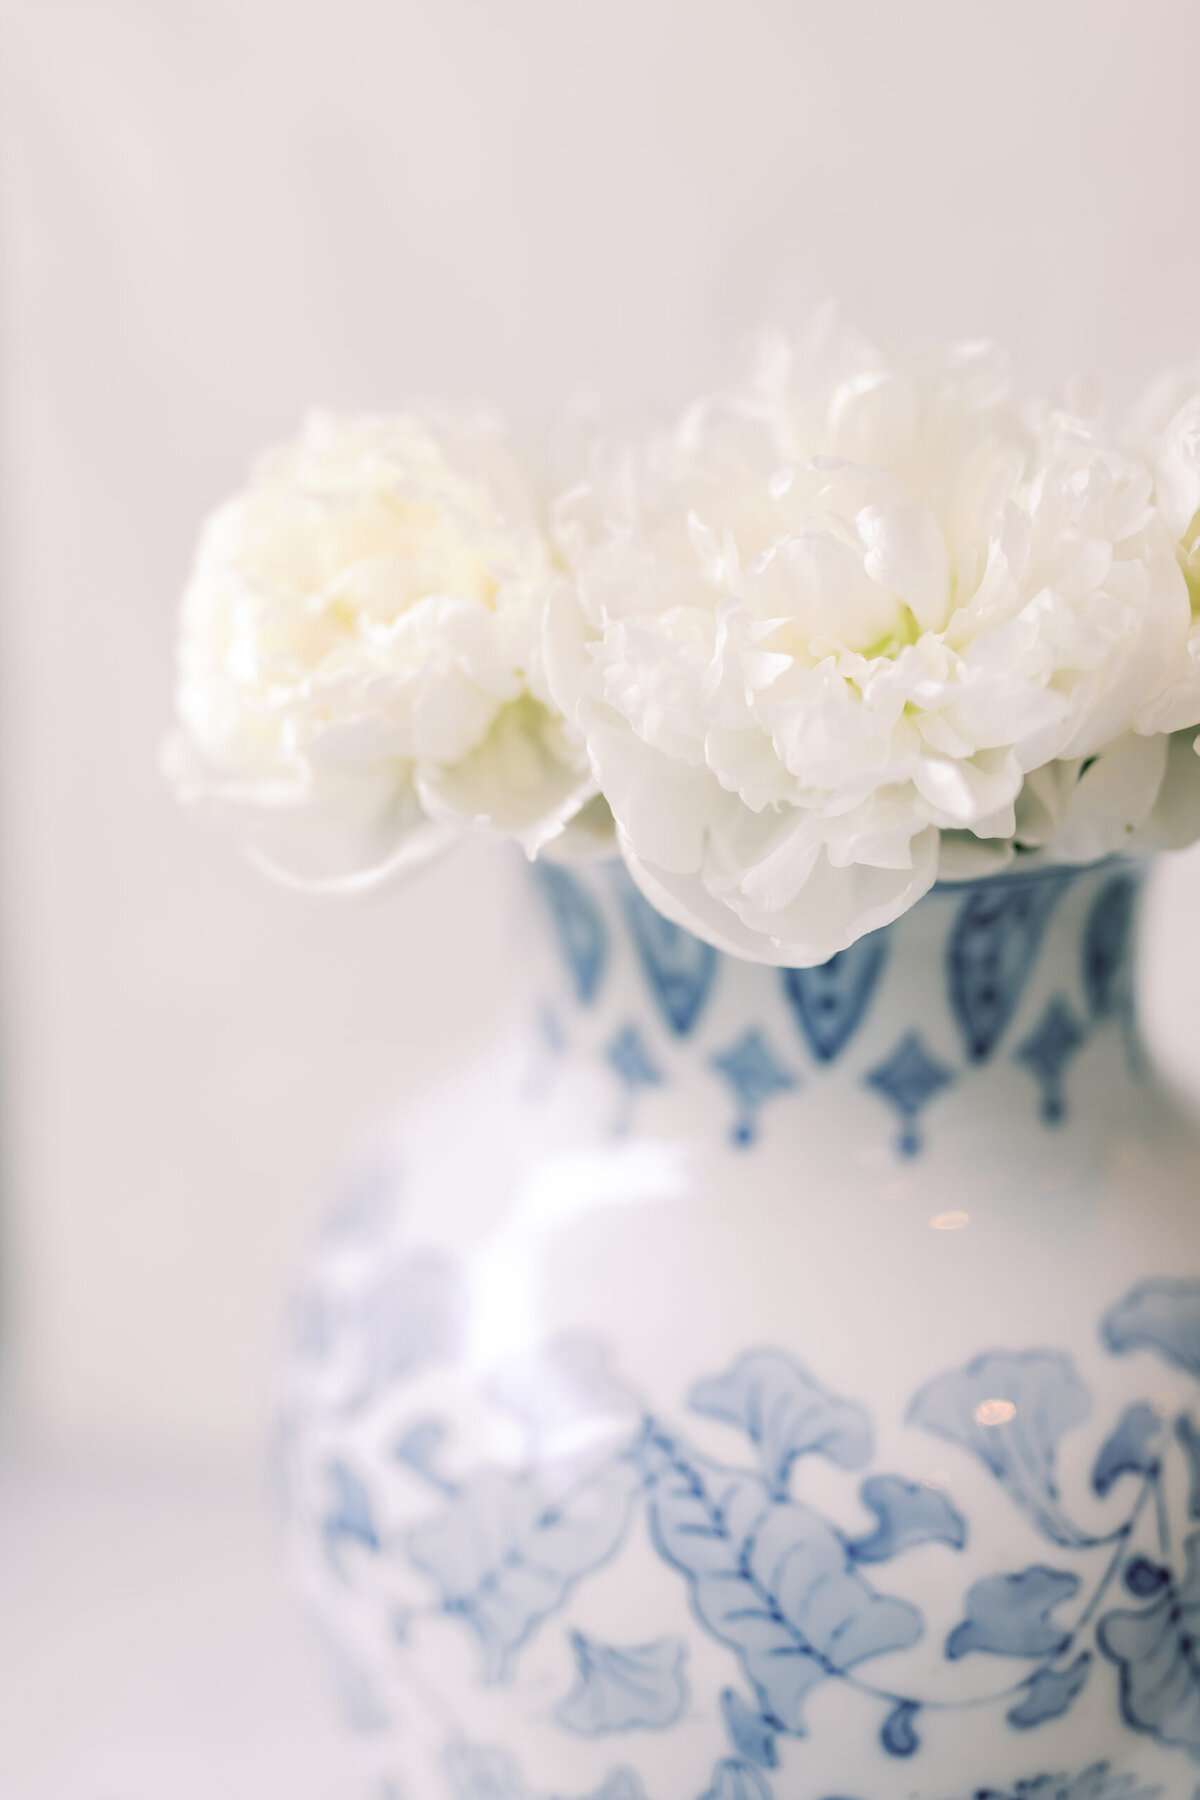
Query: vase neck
(997,1006)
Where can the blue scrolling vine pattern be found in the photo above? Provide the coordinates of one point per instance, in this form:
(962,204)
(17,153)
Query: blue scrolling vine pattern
(991,950)
(795,1599)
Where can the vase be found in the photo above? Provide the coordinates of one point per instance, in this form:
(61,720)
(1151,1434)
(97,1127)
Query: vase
(770,1384)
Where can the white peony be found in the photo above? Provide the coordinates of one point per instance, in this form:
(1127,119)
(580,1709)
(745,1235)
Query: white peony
(359,671)
(1167,426)
(861,624)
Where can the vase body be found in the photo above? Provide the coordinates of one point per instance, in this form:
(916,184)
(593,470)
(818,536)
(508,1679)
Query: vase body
(771,1385)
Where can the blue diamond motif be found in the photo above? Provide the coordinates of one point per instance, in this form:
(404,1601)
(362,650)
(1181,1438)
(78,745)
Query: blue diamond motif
(755,1074)
(628,1056)
(908,1080)
(1046,1052)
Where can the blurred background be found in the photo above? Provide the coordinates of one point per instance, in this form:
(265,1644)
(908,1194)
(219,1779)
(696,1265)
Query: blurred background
(214,213)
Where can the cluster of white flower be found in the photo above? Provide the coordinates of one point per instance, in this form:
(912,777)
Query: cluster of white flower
(360,672)
(852,627)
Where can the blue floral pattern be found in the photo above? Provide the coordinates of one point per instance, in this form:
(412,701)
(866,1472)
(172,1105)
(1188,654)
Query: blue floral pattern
(785,1414)
(508,1549)
(908,1513)
(1097,1783)
(1157,1650)
(477,1773)
(784,1588)
(784,1532)
(1010,1411)
(772,1579)
(622,1689)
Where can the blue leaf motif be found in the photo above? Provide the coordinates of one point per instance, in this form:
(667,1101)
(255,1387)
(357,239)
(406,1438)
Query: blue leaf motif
(621,1689)
(348,1518)
(737,1780)
(1157,1651)
(1106,939)
(770,1578)
(509,1548)
(1050,1692)
(1187,1436)
(1163,1316)
(622,1784)
(991,955)
(909,1513)
(1132,1448)
(1096,1783)
(1010,1410)
(751,1735)
(1009,1615)
(482,1772)
(899,1734)
(680,968)
(829,1001)
(419,1449)
(784,1413)
(582,933)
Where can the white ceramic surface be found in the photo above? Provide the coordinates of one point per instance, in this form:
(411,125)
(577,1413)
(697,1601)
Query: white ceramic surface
(750,1383)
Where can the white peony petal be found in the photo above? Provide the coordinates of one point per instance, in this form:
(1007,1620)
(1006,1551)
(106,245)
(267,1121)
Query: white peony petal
(1112,798)
(1174,820)
(906,553)
(657,802)
(519,781)
(835,908)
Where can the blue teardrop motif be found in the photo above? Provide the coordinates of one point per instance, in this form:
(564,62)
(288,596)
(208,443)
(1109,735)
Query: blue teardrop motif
(582,933)
(829,1001)
(991,955)
(1106,944)
(679,967)
(899,1737)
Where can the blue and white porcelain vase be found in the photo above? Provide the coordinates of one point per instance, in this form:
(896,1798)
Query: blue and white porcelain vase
(761,1384)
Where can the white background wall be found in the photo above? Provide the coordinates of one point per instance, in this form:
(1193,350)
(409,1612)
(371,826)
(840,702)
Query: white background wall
(215,212)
